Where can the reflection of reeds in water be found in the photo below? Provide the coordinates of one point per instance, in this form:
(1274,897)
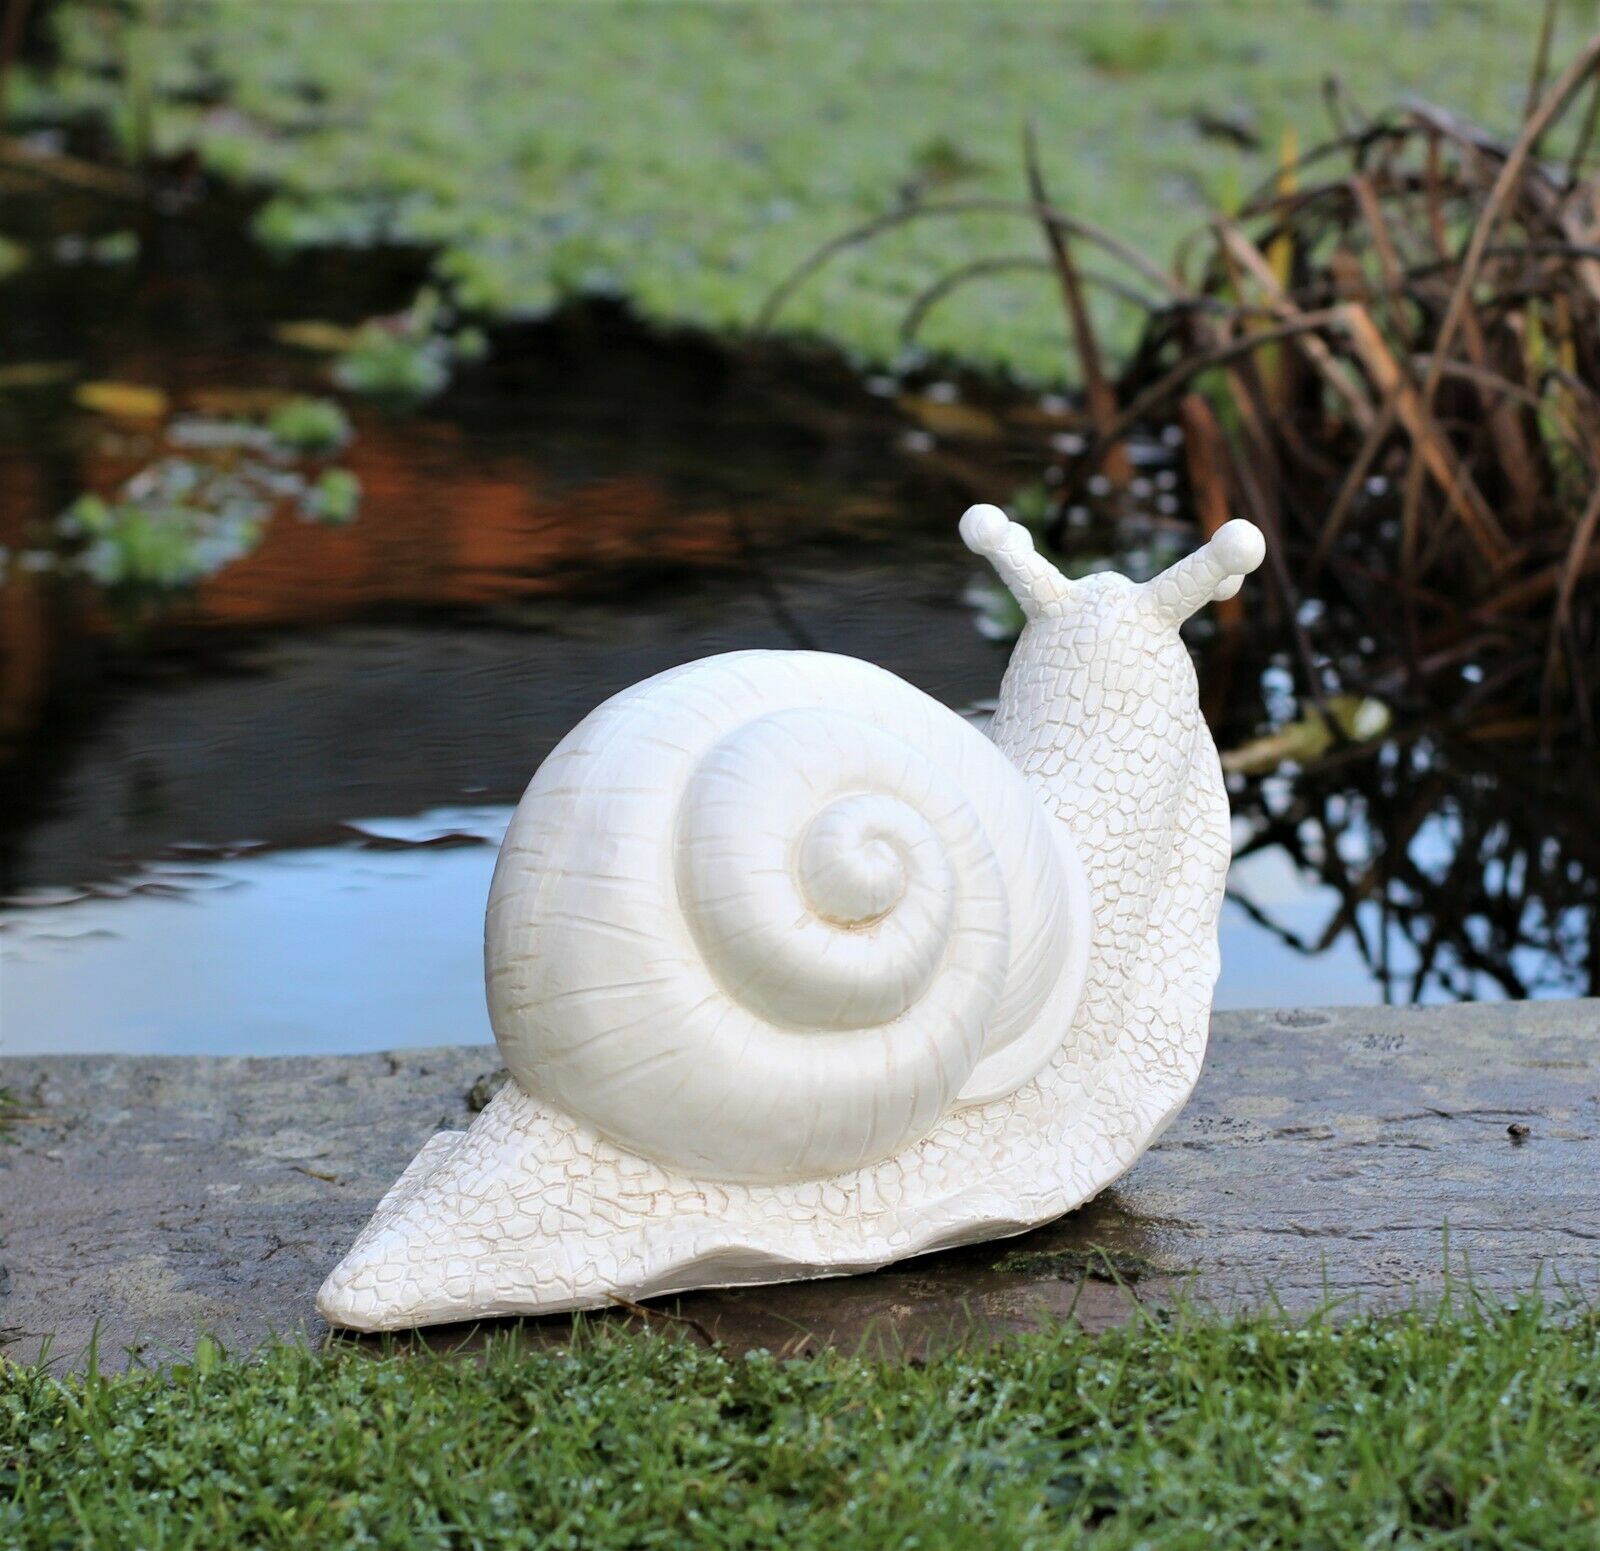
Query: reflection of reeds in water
(1455,876)
(1387,359)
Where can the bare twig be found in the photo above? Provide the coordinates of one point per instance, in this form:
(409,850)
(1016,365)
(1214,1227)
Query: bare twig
(55,167)
(1561,617)
(1541,58)
(1014,263)
(1160,391)
(645,1312)
(1390,376)
(1102,397)
(1494,208)
(977,205)
(1355,478)
(1585,137)
(1312,346)
(1206,455)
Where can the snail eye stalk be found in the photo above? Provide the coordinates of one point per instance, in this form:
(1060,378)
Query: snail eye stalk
(1008,546)
(1214,571)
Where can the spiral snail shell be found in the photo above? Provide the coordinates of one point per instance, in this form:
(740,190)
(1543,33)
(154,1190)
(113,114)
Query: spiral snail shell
(768,916)
(796,972)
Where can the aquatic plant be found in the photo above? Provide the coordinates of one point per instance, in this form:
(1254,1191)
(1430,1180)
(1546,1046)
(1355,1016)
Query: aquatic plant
(386,365)
(334,499)
(206,500)
(1388,363)
(401,359)
(170,529)
(309,425)
(1385,358)
(683,157)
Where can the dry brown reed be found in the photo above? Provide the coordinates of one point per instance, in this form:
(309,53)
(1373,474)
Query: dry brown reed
(1388,358)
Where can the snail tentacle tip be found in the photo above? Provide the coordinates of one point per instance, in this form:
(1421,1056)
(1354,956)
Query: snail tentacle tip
(984,529)
(1239,545)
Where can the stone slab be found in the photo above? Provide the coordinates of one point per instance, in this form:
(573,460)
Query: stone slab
(1325,1153)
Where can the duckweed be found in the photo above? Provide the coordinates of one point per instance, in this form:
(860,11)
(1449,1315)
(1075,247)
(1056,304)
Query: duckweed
(688,156)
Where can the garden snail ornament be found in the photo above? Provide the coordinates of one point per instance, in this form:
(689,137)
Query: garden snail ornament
(797,973)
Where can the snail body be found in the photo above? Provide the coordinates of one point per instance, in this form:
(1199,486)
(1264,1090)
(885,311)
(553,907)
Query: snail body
(796,972)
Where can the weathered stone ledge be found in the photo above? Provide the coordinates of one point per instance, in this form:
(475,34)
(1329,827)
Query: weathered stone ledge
(1324,1153)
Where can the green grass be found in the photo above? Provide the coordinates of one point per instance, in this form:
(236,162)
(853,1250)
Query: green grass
(688,155)
(1473,1428)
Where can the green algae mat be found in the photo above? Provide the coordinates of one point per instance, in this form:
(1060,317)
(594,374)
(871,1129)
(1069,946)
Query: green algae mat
(687,156)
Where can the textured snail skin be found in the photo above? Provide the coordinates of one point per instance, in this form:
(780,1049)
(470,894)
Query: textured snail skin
(1044,1039)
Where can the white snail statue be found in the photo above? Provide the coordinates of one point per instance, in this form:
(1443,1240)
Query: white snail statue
(797,973)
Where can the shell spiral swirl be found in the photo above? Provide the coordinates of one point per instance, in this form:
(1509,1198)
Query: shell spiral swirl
(770,916)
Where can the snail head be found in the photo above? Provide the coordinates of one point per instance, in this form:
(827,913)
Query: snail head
(1214,571)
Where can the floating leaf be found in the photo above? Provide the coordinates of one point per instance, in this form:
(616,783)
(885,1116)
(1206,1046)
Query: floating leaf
(36,374)
(317,336)
(13,257)
(123,400)
(1359,718)
(201,434)
(470,344)
(174,524)
(334,500)
(948,417)
(394,366)
(309,425)
(115,248)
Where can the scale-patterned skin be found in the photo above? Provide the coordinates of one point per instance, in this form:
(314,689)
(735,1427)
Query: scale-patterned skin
(531,1211)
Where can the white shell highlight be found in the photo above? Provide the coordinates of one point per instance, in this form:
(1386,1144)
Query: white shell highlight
(765,917)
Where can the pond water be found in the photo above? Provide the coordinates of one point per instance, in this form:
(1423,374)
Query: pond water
(258,814)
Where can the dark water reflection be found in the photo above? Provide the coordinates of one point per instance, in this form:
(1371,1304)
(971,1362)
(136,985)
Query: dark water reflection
(1445,873)
(262,817)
